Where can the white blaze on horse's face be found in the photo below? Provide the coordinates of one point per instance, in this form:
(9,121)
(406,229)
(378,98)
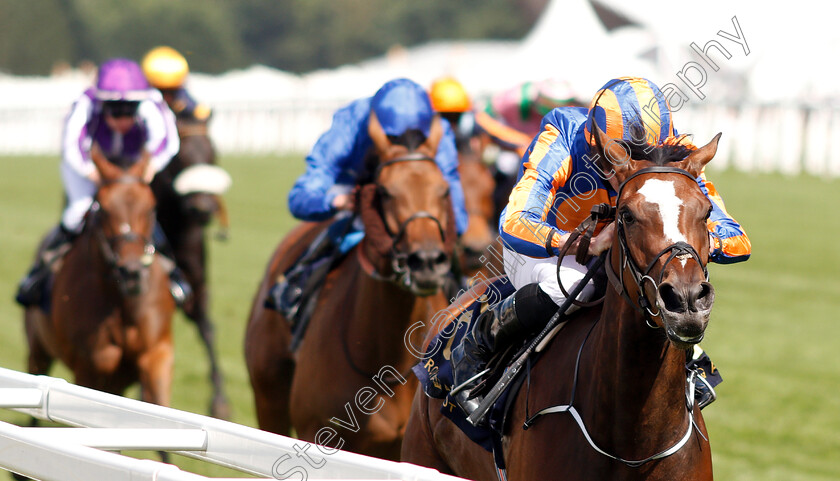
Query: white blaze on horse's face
(663,194)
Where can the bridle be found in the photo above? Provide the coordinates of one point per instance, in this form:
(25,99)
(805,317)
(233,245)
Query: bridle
(399,265)
(682,250)
(677,249)
(123,276)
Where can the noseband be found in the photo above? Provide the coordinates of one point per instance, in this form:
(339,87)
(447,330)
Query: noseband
(681,249)
(106,243)
(677,249)
(398,259)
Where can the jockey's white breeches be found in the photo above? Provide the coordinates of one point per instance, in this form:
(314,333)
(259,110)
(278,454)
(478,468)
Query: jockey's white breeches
(523,270)
(80,191)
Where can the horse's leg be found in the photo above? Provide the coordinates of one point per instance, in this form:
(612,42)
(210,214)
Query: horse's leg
(39,360)
(418,446)
(271,368)
(219,406)
(155,367)
(192,259)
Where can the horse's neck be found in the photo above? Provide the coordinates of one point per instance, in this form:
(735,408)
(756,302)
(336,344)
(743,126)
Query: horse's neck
(640,380)
(382,315)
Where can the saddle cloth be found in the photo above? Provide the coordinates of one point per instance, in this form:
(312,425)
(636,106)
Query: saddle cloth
(435,370)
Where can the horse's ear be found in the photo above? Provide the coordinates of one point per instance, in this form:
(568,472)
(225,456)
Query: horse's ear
(107,170)
(138,169)
(435,134)
(698,159)
(611,154)
(377,134)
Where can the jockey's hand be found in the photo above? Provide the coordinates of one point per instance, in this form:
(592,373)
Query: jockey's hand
(149,174)
(603,240)
(344,201)
(714,244)
(95,177)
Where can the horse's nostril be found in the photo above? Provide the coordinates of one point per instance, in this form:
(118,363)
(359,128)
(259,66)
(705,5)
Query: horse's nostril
(426,260)
(705,297)
(441,259)
(671,299)
(414,261)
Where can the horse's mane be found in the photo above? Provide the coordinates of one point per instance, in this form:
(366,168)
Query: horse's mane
(661,154)
(411,139)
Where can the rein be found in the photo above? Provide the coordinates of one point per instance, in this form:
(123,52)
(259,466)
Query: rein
(570,408)
(400,270)
(678,249)
(106,243)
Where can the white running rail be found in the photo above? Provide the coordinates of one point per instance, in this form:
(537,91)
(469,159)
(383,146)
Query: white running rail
(107,422)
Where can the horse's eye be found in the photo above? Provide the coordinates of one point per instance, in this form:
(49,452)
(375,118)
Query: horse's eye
(383,193)
(627,217)
(708,214)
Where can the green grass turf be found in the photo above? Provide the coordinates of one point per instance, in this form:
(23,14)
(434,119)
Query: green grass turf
(773,332)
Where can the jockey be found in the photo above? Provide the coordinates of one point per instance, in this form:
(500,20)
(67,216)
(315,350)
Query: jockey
(166,70)
(336,165)
(530,253)
(125,118)
(450,99)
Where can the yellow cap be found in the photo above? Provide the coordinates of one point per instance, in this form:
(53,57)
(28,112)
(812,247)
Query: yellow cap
(448,95)
(165,68)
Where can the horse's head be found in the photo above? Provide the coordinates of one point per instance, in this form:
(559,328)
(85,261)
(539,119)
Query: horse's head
(124,221)
(661,236)
(197,180)
(414,210)
(479,186)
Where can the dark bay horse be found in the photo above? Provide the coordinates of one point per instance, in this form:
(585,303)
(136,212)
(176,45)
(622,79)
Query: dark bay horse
(348,385)
(187,201)
(615,373)
(110,310)
(482,232)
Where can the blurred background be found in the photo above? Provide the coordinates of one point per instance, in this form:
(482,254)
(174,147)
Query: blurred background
(274,72)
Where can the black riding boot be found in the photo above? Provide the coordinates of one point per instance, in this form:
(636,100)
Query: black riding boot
(286,295)
(526,311)
(706,378)
(179,287)
(31,288)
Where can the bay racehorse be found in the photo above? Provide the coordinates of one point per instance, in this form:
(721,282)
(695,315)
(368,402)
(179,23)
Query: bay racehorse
(614,378)
(348,385)
(110,311)
(480,246)
(188,194)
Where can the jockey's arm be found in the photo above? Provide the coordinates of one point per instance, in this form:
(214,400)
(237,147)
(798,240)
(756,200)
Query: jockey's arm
(315,193)
(524,225)
(75,145)
(447,160)
(162,133)
(728,241)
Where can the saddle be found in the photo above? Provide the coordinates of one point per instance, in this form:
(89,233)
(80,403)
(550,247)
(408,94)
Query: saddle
(435,369)
(296,291)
